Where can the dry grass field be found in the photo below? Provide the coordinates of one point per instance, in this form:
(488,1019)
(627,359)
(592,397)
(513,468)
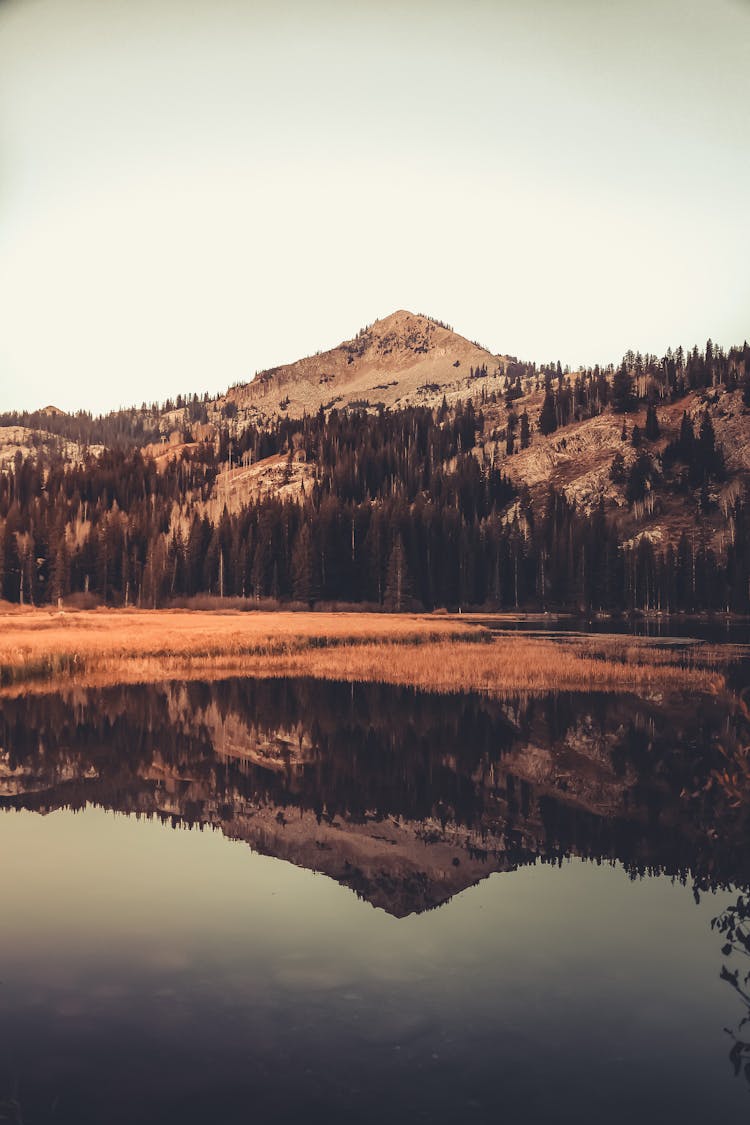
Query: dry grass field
(39,648)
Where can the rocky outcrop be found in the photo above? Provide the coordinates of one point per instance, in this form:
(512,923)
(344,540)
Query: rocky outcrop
(403,359)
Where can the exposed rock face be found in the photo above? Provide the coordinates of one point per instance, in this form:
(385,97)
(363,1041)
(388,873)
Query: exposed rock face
(21,439)
(400,360)
(407,359)
(577,458)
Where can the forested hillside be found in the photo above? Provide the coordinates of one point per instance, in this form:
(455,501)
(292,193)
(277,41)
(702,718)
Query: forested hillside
(602,490)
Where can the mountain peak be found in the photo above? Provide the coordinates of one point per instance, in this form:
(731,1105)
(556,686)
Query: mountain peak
(399,316)
(402,359)
(404,318)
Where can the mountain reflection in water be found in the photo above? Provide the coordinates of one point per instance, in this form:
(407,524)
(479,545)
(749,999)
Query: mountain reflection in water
(405,798)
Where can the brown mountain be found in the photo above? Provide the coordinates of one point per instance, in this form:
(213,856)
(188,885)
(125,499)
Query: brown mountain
(403,359)
(409,359)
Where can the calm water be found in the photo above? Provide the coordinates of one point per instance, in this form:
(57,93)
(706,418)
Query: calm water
(268,901)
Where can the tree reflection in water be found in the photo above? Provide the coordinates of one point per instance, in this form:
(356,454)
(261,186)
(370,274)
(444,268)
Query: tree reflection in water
(404,797)
(734,925)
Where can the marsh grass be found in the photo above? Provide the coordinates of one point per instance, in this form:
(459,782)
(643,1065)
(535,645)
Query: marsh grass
(39,650)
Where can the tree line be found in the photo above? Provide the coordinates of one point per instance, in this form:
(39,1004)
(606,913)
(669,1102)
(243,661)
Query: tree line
(400,511)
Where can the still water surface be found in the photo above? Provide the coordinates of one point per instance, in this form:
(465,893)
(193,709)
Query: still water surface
(253,901)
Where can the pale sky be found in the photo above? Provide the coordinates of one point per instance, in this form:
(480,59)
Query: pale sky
(193,191)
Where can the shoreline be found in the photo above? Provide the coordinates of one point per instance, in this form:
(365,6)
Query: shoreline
(242,607)
(44,648)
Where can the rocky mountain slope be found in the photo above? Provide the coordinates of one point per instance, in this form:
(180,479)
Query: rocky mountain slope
(27,440)
(408,423)
(577,460)
(403,359)
(410,360)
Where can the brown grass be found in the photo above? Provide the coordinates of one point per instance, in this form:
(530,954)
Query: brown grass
(40,648)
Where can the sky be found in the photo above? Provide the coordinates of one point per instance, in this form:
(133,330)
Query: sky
(194,190)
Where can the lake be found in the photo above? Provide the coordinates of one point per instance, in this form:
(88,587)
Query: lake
(261,900)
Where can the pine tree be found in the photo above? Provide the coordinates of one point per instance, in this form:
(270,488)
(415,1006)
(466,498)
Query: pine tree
(639,478)
(548,416)
(617,469)
(623,395)
(60,577)
(652,423)
(398,589)
(525,431)
(709,456)
(302,566)
(686,440)
(510,438)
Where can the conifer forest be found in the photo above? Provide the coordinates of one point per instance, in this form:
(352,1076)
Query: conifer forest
(404,508)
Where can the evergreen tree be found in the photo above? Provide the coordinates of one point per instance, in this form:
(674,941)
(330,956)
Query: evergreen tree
(510,438)
(303,587)
(710,457)
(652,423)
(617,469)
(623,395)
(686,441)
(548,415)
(60,576)
(639,478)
(398,587)
(525,431)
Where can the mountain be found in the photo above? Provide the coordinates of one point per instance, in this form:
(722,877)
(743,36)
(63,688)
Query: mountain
(408,360)
(406,459)
(403,359)
(400,360)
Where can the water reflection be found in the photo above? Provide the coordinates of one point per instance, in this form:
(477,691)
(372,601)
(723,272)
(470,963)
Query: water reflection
(404,797)
(734,925)
(146,982)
